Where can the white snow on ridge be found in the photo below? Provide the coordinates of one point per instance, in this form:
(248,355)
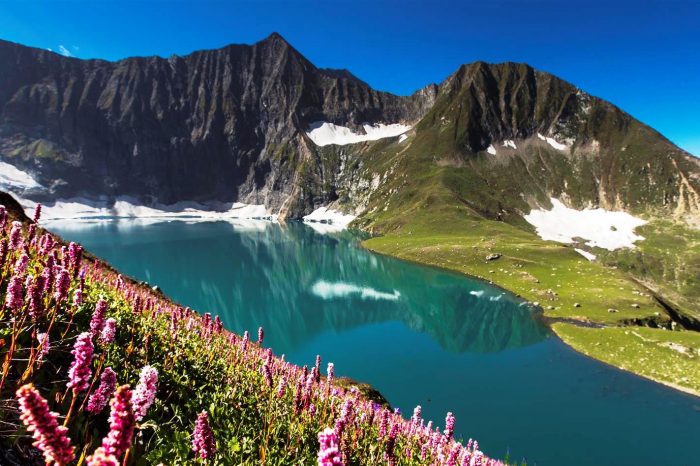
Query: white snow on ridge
(402,138)
(330,216)
(553,142)
(586,254)
(491,150)
(12,178)
(128,207)
(323,133)
(331,290)
(601,228)
(557,145)
(509,143)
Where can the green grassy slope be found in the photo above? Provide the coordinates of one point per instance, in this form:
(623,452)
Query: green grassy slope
(453,211)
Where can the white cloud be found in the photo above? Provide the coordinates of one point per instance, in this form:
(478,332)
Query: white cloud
(64,51)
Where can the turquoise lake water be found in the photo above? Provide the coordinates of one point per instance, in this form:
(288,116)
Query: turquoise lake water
(418,334)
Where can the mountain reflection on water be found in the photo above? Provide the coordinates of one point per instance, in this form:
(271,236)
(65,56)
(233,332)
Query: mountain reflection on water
(297,283)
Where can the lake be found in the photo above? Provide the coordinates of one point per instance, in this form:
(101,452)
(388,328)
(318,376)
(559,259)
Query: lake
(418,334)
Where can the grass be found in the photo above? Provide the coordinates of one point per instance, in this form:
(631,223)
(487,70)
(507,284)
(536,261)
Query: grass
(567,287)
(667,357)
(667,261)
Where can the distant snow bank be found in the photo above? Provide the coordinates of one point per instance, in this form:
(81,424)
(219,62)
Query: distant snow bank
(601,228)
(323,133)
(326,220)
(553,142)
(12,178)
(586,254)
(128,207)
(491,150)
(509,143)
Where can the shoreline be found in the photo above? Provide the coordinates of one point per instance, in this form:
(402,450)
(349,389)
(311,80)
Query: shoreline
(550,321)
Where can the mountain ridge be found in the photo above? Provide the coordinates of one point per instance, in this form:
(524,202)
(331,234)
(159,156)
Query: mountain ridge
(230,124)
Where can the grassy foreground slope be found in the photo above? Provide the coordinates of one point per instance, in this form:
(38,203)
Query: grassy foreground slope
(171,365)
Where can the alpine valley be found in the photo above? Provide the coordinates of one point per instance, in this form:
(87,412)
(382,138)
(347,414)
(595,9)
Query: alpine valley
(501,172)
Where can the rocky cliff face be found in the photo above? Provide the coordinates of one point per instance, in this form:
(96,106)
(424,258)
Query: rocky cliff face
(220,124)
(230,124)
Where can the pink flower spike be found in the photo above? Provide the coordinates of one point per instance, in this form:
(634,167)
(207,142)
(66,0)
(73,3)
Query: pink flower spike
(49,437)
(80,371)
(145,392)
(121,423)
(100,457)
(99,399)
(328,453)
(97,322)
(37,213)
(108,332)
(203,443)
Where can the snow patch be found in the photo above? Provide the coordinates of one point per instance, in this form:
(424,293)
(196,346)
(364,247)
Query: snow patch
(557,145)
(12,178)
(128,207)
(329,216)
(323,133)
(491,150)
(331,290)
(586,254)
(509,143)
(478,294)
(539,136)
(601,228)
(402,138)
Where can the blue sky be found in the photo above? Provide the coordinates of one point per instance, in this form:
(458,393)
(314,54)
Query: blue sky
(644,56)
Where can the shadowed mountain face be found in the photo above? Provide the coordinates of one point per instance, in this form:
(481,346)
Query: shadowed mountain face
(219,124)
(230,124)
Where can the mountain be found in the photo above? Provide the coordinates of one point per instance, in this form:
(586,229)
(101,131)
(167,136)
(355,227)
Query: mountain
(222,124)
(230,124)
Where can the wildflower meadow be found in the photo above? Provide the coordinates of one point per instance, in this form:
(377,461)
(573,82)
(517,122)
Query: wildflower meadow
(98,369)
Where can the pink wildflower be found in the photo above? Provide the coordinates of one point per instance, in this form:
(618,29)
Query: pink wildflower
(37,213)
(62,285)
(97,322)
(282,386)
(80,371)
(108,331)
(99,399)
(203,443)
(35,293)
(100,457)
(328,453)
(21,264)
(449,425)
(121,423)
(145,392)
(49,437)
(14,298)
(16,235)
